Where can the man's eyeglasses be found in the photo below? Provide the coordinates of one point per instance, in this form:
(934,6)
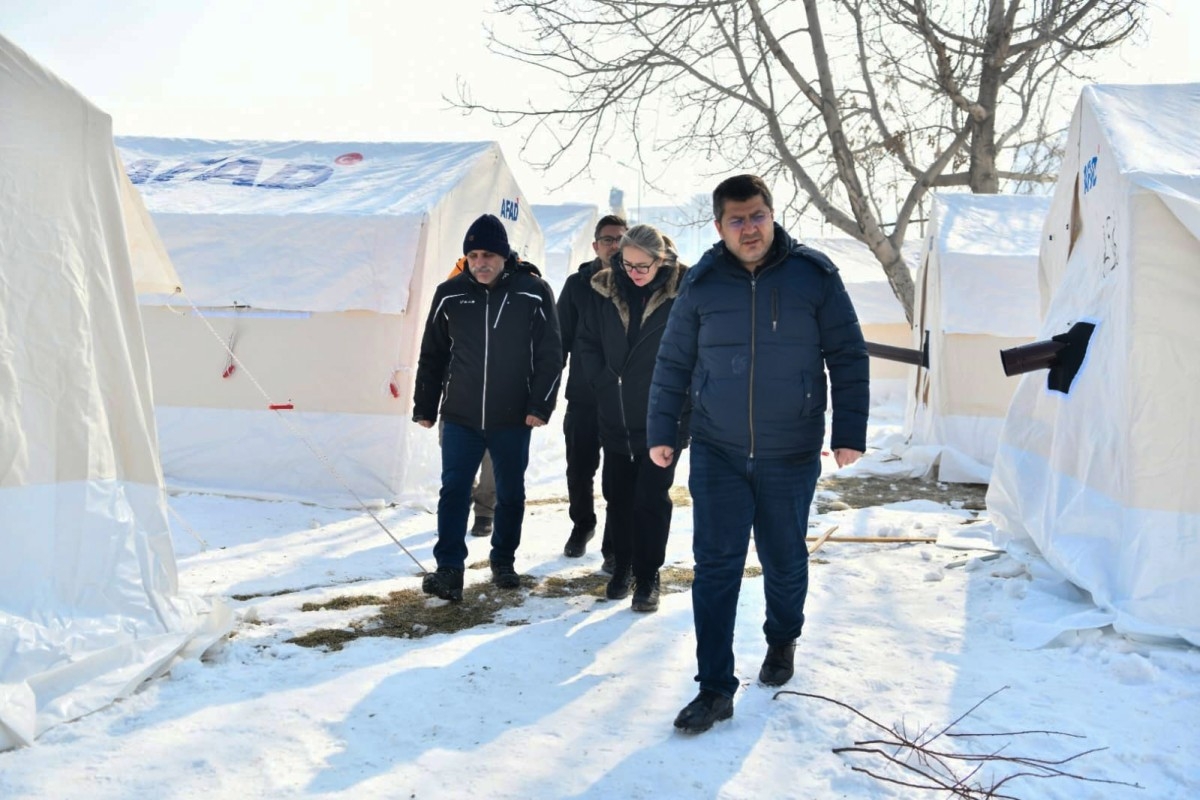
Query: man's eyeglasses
(608,241)
(756,220)
(640,269)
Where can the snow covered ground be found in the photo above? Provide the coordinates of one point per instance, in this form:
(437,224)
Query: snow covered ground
(574,697)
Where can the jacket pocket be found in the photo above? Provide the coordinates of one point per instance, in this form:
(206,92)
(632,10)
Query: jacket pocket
(812,400)
(699,384)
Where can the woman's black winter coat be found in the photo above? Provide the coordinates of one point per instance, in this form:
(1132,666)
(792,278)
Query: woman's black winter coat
(621,370)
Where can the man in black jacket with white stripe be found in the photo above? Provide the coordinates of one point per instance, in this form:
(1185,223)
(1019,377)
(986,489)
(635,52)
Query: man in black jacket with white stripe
(490,363)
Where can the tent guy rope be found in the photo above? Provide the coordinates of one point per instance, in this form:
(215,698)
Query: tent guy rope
(278,408)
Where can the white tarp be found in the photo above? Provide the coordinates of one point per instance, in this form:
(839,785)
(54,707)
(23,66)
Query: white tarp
(315,263)
(568,229)
(89,607)
(976,294)
(1101,480)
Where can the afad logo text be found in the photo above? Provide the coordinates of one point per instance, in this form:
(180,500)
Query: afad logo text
(509,209)
(237,171)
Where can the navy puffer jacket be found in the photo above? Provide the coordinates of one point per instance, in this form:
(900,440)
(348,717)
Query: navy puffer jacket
(754,351)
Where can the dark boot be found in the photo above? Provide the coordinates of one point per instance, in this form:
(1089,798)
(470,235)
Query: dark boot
(777,667)
(577,542)
(446,583)
(700,714)
(619,583)
(482,526)
(504,576)
(645,594)
(608,564)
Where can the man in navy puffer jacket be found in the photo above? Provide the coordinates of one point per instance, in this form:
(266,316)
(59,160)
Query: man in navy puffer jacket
(756,325)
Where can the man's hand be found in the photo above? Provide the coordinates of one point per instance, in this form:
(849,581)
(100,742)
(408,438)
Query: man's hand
(425,423)
(662,455)
(845,456)
(534,421)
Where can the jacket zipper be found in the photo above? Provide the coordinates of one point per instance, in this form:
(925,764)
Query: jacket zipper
(753,339)
(621,389)
(774,310)
(487,310)
(624,422)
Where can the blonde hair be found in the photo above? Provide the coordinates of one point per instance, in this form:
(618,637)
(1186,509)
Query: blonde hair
(651,240)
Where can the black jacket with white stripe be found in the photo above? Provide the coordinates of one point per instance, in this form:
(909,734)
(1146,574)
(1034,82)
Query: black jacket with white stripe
(490,356)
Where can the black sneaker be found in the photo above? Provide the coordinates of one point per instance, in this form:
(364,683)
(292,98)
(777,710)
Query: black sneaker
(700,714)
(446,583)
(609,563)
(778,667)
(505,577)
(645,594)
(482,526)
(577,542)
(619,583)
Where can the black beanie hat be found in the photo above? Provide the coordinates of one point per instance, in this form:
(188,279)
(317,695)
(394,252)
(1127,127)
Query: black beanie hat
(487,233)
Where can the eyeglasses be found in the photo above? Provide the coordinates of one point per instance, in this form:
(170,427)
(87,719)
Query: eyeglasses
(608,241)
(755,220)
(640,269)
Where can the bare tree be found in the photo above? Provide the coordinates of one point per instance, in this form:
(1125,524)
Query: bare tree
(861,106)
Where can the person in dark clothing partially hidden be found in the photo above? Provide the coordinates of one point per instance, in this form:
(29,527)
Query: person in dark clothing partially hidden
(579,421)
(617,346)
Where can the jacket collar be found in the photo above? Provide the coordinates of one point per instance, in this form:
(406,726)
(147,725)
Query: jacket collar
(605,284)
(719,256)
(512,266)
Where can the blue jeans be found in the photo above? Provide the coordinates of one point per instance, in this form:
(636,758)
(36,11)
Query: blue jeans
(732,494)
(462,452)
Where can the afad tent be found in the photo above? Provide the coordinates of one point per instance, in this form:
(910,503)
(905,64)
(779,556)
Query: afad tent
(314,263)
(976,294)
(568,229)
(879,312)
(1100,475)
(89,603)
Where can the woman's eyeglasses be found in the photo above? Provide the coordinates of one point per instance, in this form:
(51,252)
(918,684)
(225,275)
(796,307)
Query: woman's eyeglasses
(640,269)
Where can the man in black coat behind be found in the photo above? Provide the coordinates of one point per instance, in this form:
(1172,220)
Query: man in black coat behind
(579,423)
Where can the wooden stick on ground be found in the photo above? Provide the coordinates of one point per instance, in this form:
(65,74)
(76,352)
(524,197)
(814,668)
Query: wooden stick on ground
(868,540)
(820,540)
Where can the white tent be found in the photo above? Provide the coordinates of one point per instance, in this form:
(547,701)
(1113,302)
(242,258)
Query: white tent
(1101,478)
(568,229)
(89,605)
(315,263)
(976,294)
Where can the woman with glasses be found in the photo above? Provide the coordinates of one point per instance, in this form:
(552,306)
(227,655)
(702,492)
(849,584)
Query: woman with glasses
(618,343)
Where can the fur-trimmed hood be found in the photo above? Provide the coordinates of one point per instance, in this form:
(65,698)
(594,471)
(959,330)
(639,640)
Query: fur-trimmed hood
(604,283)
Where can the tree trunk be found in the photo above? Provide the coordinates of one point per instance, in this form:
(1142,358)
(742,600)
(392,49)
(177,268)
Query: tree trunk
(897,272)
(983,176)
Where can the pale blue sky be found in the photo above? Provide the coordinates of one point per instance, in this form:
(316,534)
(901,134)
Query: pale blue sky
(360,69)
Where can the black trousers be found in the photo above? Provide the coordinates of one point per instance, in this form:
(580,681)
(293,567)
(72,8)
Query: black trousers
(583,459)
(638,518)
